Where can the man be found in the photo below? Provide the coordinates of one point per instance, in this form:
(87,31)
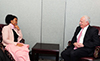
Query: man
(83,42)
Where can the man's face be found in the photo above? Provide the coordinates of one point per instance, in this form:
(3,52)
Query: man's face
(83,23)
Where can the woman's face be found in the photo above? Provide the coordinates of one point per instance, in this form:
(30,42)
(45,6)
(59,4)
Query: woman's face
(14,21)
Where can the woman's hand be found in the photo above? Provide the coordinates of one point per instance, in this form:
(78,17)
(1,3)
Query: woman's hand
(17,27)
(19,44)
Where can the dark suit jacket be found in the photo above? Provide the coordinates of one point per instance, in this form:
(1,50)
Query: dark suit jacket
(91,38)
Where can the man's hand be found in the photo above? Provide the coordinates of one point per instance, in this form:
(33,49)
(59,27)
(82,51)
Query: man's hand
(78,45)
(19,44)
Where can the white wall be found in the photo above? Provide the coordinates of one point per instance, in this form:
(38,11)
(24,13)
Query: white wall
(53,22)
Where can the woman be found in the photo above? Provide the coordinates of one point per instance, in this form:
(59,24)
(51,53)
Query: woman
(11,39)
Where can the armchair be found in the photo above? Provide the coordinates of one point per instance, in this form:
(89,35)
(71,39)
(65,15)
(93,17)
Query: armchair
(96,52)
(2,47)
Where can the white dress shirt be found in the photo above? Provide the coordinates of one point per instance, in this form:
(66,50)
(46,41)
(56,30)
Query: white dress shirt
(83,34)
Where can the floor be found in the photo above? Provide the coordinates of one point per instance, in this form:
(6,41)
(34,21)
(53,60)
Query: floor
(59,60)
(48,60)
(52,58)
(45,58)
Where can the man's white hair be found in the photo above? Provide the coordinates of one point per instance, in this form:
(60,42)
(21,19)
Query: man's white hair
(87,18)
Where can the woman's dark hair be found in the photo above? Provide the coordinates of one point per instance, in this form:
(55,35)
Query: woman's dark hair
(9,17)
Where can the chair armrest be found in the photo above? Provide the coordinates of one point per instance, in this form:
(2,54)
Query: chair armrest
(9,55)
(6,52)
(1,46)
(0,38)
(97,52)
(22,41)
(69,43)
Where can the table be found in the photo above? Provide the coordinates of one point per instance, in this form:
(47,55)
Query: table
(45,48)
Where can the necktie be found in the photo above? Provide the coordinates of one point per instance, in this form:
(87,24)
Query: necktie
(79,38)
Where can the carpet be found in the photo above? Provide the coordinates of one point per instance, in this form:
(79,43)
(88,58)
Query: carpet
(48,60)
